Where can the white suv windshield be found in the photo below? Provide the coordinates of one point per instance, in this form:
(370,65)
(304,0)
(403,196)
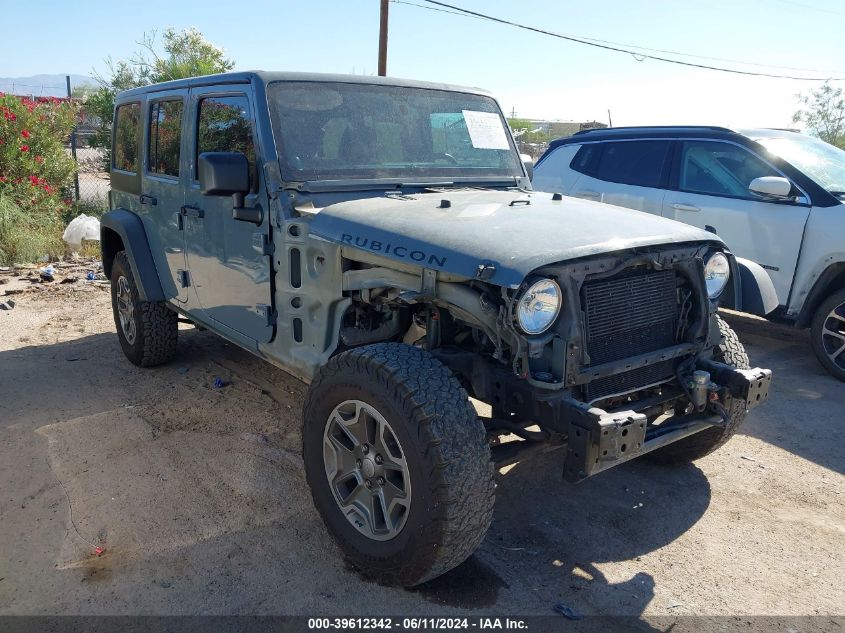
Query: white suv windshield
(336,131)
(821,161)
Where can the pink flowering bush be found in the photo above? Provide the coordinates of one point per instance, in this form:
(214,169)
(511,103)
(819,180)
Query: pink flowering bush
(35,173)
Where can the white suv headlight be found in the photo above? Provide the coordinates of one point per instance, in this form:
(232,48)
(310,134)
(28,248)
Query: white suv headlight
(538,307)
(717,271)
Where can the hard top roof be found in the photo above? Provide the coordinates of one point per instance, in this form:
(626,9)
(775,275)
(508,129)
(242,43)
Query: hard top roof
(243,77)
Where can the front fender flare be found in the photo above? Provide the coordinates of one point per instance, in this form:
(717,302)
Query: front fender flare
(129,228)
(753,290)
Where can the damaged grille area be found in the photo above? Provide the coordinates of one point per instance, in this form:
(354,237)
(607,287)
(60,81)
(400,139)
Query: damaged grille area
(627,316)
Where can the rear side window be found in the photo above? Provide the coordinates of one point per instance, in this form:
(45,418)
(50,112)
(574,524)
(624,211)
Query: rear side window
(632,162)
(165,138)
(126,125)
(225,125)
(586,158)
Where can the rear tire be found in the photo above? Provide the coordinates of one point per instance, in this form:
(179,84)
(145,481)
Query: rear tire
(827,332)
(147,330)
(393,403)
(731,352)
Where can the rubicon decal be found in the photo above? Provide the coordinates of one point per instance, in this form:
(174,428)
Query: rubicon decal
(403,252)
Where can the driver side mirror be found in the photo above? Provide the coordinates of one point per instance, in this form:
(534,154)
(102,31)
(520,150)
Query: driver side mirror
(528,162)
(223,173)
(771,187)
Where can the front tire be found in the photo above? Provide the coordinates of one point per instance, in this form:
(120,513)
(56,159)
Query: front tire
(827,333)
(731,352)
(397,462)
(147,330)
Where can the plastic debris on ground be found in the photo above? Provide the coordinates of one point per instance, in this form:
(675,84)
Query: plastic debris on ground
(7,305)
(47,273)
(218,382)
(82,227)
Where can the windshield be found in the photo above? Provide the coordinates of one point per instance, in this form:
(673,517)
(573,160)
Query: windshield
(821,161)
(336,131)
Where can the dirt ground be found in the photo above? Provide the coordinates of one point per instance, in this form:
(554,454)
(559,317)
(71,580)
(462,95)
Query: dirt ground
(198,496)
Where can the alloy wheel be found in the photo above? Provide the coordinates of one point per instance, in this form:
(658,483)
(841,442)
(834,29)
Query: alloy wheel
(833,336)
(125,310)
(366,469)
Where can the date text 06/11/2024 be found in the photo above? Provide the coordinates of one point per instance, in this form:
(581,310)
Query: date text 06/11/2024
(424,623)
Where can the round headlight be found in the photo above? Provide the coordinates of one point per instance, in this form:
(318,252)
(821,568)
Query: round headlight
(538,307)
(717,271)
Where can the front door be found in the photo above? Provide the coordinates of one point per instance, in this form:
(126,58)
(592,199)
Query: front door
(710,190)
(229,269)
(161,196)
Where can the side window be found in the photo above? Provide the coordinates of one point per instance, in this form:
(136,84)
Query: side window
(126,125)
(225,125)
(164,138)
(632,162)
(720,169)
(585,160)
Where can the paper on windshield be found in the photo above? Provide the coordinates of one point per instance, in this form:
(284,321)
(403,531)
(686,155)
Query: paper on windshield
(485,130)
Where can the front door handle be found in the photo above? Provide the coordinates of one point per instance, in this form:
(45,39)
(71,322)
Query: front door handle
(685,207)
(189,211)
(588,193)
(146,198)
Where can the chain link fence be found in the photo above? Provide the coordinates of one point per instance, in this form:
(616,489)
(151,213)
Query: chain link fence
(91,184)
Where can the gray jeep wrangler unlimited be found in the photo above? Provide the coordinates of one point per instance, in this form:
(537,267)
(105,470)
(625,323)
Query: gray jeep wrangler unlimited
(379,239)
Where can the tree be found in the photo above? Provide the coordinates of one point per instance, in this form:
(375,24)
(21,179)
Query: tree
(183,54)
(525,132)
(823,113)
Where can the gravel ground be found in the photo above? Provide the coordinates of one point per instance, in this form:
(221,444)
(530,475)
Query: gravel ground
(198,495)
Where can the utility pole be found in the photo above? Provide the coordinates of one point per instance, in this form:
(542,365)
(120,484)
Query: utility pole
(382,40)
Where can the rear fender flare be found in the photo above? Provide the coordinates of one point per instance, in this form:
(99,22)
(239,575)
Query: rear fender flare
(128,227)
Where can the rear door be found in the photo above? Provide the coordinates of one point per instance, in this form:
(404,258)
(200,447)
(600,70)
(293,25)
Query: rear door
(630,174)
(709,183)
(162,193)
(230,270)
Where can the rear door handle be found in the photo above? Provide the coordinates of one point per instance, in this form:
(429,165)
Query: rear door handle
(146,198)
(191,212)
(588,193)
(685,207)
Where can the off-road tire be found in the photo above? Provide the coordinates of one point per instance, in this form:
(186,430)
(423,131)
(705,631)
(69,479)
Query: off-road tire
(731,352)
(157,326)
(816,327)
(447,455)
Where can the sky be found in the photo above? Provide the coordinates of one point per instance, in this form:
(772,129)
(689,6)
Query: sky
(533,75)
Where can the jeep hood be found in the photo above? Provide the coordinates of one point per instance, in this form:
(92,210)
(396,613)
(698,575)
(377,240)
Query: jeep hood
(458,230)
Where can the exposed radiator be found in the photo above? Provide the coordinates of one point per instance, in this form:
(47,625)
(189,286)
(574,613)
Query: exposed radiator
(626,316)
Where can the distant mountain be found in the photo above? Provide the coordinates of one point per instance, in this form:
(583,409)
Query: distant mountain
(43,85)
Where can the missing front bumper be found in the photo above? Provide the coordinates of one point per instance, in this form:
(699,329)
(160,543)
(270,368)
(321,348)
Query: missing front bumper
(598,440)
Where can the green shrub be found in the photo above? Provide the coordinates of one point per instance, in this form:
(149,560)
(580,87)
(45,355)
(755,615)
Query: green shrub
(25,238)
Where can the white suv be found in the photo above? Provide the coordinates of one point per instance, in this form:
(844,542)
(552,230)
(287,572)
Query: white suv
(775,197)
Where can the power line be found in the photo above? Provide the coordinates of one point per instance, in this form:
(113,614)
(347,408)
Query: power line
(642,48)
(618,48)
